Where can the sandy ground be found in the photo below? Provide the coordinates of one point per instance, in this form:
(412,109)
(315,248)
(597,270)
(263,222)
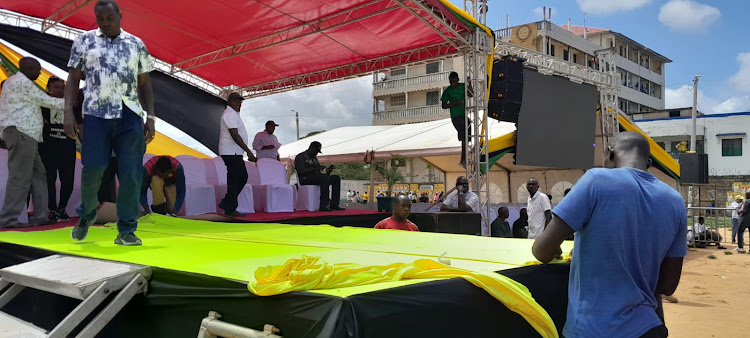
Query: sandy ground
(713,295)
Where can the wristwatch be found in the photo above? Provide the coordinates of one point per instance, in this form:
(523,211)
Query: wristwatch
(151,117)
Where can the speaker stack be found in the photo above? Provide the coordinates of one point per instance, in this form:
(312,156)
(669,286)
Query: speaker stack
(506,89)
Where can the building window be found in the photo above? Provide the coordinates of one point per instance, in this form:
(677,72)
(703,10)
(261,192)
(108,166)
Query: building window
(575,58)
(398,100)
(552,50)
(433,98)
(663,145)
(565,55)
(731,147)
(398,72)
(674,113)
(433,67)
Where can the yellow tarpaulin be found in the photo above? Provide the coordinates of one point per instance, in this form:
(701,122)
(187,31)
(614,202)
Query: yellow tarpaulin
(161,145)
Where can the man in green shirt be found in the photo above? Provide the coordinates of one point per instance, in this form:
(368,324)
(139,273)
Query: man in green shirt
(453,99)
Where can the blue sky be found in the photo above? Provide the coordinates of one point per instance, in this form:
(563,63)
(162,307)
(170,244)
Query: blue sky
(701,37)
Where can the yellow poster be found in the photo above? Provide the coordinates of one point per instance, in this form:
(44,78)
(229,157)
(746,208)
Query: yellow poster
(439,187)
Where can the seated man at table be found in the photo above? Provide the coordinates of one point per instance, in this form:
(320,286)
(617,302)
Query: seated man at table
(463,200)
(398,220)
(166,178)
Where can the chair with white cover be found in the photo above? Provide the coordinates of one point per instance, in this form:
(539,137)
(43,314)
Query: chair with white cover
(245,200)
(308,197)
(279,194)
(24,217)
(199,195)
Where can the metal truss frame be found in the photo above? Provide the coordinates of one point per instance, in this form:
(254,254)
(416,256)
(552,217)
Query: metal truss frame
(477,153)
(63,13)
(608,98)
(70,33)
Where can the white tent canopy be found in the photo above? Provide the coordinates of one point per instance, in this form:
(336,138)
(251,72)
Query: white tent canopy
(351,144)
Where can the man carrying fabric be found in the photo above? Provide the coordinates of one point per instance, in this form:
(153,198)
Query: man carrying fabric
(232,146)
(308,173)
(58,152)
(117,96)
(538,208)
(463,200)
(399,218)
(500,227)
(21,130)
(265,143)
(453,98)
(736,205)
(616,272)
(166,178)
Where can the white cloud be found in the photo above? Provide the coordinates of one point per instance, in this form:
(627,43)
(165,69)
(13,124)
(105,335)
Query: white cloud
(610,6)
(688,15)
(323,107)
(683,97)
(539,12)
(741,80)
(733,105)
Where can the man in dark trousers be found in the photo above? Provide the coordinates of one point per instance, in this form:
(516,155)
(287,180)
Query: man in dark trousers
(58,152)
(454,98)
(309,173)
(232,146)
(744,223)
(616,273)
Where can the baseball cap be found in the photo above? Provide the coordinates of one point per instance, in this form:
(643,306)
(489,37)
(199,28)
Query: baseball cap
(234,96)
(317,145)
(271,122)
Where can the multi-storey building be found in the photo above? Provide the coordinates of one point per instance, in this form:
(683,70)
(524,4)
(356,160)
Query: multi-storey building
(412,94)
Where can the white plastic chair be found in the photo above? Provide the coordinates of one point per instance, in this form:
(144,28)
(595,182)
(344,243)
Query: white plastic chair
(245,200)
(278,193)
(199,195)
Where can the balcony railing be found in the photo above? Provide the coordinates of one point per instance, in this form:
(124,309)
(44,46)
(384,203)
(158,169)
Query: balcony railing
(410,81)
(409,112)
(504,33)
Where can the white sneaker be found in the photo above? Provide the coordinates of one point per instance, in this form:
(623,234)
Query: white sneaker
(736,249)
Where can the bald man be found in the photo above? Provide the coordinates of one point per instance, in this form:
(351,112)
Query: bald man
(539,209)
(21,124)
(616,271)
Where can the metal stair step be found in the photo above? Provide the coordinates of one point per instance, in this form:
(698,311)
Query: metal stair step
(70,276)
(12,327)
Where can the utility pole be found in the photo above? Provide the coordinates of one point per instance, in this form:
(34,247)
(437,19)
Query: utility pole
(695,112)
(296,118)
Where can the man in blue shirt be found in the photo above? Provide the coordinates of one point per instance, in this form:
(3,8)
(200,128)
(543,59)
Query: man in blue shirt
(616,271)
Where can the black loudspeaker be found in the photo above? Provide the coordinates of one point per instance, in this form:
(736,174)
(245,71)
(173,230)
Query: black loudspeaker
(694,168)
(506,89)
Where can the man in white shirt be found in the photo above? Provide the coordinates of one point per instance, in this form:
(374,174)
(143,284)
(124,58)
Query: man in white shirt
(736,205)
(21,124)
(463,200)
(232,147)
(539,209)
(266,144)
(703,235)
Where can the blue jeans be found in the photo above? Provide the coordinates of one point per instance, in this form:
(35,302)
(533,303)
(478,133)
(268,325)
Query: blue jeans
(125,137)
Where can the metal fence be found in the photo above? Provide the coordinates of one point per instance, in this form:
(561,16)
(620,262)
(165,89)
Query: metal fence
(717,219)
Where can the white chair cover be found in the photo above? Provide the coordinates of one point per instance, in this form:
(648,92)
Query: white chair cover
(200,197)
(245,200)
(308,197)
(279,195)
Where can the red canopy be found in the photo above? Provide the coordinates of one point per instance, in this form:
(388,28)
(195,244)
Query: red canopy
(262,46)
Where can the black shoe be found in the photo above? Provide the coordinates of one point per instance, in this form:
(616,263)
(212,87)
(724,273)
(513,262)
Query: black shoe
(324,209)
(54,216)
(63,215)
(720,247)
(336,207)
(235,214)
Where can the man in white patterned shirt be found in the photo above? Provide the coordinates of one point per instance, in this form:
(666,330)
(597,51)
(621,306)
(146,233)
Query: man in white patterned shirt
(117,97)
(266,144)
(21,124)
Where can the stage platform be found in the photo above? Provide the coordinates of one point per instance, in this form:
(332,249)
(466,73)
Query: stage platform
(201,266)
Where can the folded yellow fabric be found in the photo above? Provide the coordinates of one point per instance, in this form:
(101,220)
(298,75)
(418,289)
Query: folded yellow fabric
(309,273)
